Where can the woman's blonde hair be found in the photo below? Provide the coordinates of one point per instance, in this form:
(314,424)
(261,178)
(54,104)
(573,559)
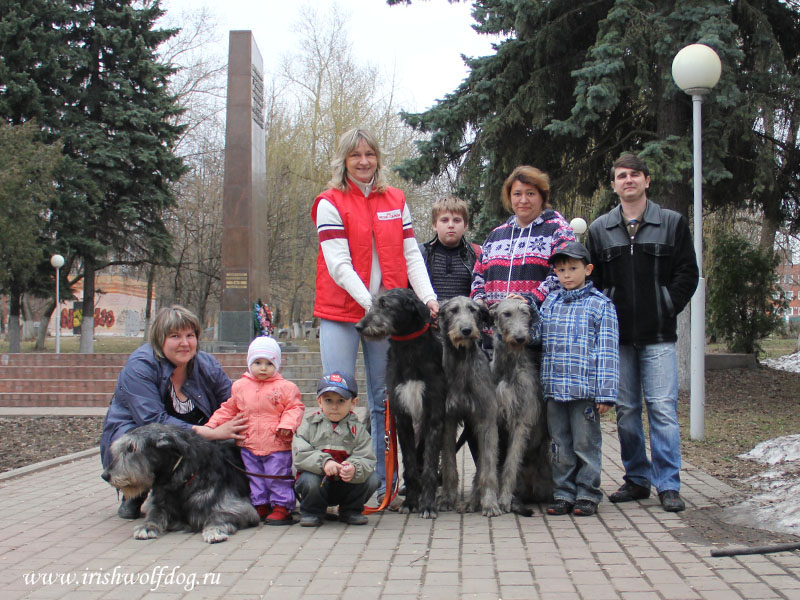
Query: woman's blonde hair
(530,176)
(347,143)
(170,319)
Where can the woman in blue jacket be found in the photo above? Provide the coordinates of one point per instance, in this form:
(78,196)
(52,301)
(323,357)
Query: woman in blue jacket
(168,381)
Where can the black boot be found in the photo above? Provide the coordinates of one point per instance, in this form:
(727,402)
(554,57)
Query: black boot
(131,509)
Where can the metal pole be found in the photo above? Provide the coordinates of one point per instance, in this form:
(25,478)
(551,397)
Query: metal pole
(58,316)
(698,303)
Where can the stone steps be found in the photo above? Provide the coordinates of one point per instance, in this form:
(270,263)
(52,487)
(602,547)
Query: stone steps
(46,379)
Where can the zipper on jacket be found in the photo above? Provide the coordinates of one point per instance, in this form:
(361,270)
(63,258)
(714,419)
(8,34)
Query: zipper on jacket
(633,282)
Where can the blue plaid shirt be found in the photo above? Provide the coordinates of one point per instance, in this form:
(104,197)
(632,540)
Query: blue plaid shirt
(580,341)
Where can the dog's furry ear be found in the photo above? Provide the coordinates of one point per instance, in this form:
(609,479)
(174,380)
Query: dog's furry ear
(534,311)
(419,306)
(487,314)
(172,442)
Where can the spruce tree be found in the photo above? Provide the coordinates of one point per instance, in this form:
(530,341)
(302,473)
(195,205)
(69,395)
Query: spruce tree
(575,83)
(106,98)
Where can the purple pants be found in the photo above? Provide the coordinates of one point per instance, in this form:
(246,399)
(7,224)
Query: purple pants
(277,492)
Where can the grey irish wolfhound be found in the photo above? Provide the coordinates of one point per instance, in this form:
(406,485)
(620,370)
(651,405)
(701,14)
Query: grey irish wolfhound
(195,484)
(471,399)
(526,473)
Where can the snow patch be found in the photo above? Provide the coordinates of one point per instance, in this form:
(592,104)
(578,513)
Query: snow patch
(776,451)
(789,362)
(777,506)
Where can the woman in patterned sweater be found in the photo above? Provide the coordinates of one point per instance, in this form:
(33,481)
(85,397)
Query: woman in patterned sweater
(515,256)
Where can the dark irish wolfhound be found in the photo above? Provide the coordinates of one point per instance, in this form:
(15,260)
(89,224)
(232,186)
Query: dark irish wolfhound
(415,385)
(194,483)
(471,399)
(526,473)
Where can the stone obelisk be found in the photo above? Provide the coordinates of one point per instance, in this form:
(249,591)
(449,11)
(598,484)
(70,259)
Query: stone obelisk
(245,234)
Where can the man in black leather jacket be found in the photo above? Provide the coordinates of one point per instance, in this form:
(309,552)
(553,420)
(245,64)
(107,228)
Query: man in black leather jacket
(645,262)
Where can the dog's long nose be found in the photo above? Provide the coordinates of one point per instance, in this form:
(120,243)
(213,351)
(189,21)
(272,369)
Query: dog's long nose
(520,339)
(466,331)
(106,476)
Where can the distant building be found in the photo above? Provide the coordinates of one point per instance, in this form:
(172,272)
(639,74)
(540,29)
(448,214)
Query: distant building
(119,307)
(789,281)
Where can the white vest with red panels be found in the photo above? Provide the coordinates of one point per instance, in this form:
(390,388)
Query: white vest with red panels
(378,216)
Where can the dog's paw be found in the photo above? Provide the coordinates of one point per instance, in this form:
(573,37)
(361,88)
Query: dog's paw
(428,513)
(406,508)
(505,502)
(146,532)
(520,509)
(492,510)
(214,535)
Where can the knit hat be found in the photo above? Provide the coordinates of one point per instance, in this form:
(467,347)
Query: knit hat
(264,347)
(341,383)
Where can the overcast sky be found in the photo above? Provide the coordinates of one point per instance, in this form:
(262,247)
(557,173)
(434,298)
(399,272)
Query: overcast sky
(422,43)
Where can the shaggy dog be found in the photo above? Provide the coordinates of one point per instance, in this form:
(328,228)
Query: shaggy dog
(415,385)
(470,398)
(194,483)
(526,473)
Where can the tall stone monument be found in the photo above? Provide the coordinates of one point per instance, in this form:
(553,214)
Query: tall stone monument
(244,221)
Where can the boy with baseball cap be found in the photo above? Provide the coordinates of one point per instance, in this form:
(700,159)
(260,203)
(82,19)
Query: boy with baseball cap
(333,455)
(580,368)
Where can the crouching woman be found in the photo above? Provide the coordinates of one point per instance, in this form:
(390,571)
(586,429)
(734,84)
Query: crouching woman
(168,380)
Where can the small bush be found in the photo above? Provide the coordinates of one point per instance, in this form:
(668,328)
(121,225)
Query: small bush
(744,300)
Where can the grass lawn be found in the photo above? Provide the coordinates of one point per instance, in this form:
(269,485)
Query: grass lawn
(110,343)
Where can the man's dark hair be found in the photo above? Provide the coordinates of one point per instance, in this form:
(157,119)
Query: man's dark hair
(628,160)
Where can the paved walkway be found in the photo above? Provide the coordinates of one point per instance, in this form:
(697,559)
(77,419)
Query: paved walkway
(61,538)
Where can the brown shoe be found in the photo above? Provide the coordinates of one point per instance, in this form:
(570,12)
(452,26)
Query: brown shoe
(672,501)
(629,492)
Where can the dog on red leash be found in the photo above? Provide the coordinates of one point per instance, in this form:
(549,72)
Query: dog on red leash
(415,384)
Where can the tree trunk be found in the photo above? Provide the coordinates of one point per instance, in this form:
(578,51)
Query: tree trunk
(87,324)
(771,222)
(673,118)
(42,335)
(13,321)
(148,304)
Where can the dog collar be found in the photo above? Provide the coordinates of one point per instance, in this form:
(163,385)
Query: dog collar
(411,336)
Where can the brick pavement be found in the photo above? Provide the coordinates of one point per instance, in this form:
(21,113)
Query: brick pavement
(60,523)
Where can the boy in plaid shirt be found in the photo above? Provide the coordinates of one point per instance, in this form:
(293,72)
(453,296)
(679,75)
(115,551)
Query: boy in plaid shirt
(580,369)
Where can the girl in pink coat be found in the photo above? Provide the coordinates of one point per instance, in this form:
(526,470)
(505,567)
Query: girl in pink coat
(274,411)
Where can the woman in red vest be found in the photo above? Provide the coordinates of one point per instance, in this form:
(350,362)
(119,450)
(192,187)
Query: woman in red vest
(366,245)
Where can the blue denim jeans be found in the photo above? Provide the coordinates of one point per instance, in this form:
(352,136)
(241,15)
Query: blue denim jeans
(577,450)
(650,371)
(338,343)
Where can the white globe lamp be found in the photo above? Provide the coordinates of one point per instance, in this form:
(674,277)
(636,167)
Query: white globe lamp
(579,226)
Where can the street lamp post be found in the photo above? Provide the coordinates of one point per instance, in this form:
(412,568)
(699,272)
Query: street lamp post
(579,226)
(696,69)
(57,261)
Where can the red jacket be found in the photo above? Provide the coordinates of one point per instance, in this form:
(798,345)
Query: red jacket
(269,404)
(379,216)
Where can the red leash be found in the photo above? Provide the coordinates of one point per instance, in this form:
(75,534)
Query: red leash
(390,458)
